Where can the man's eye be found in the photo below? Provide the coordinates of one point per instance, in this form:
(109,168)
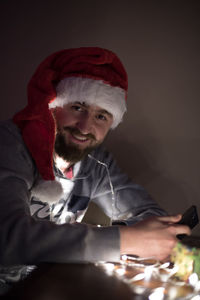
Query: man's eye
(101,117)
(77,108)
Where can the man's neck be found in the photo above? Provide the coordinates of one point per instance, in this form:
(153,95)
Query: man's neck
(61,164)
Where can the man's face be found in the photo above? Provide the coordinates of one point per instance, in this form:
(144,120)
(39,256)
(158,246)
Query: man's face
(80,129)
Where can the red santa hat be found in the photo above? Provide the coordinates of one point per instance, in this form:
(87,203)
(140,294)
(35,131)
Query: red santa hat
(89,74)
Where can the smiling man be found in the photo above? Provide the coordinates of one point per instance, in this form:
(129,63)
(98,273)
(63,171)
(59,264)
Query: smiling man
(80,129)
(52,165)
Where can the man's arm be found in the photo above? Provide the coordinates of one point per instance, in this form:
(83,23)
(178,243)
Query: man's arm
(24,240)
(129,202)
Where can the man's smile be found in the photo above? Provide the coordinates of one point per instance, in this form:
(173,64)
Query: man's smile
(77,137)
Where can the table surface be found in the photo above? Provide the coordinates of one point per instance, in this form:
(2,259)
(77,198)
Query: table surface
(71,281)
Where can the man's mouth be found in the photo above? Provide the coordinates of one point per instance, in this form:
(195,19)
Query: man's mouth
(79,137)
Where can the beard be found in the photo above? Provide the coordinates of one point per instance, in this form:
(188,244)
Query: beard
(71,152)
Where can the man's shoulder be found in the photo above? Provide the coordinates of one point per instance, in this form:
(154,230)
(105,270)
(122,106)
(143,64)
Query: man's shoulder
(15,159)
(8,127)
(10,134)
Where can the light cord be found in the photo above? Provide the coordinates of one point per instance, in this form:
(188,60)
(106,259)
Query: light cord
(111,186)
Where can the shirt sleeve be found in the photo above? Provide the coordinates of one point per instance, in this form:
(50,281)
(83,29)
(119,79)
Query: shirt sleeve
(124,201)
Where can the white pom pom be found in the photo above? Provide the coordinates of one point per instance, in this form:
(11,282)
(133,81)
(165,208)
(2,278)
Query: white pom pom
(47,190)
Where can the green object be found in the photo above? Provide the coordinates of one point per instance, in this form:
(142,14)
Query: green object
(187,260)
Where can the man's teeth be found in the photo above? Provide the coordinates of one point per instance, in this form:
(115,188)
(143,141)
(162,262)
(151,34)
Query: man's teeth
(80,138)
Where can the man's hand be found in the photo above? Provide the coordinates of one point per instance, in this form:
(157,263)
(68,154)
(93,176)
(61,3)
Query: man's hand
(155,236)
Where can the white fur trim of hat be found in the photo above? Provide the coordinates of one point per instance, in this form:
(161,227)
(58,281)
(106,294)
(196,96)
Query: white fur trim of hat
(91,92)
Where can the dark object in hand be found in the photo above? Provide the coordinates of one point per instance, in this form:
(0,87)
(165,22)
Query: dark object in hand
(189,218)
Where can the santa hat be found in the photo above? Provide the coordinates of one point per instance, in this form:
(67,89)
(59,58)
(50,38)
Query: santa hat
(89,74)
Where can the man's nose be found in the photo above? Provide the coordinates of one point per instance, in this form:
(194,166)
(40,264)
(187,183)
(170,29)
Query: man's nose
(84,124)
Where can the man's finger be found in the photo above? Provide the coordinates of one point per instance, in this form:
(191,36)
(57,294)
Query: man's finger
(183,229)
(170,219)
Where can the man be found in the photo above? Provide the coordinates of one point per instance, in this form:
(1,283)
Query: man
(52,165)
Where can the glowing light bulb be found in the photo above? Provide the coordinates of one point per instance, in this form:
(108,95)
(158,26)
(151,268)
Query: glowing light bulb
(109,268)
(165,265)
(120,272)
(193,279)
(158,294)
(148,272)
(124,257)
(196,297)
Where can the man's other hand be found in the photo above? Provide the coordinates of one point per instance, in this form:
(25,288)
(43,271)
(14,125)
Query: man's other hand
(153,237)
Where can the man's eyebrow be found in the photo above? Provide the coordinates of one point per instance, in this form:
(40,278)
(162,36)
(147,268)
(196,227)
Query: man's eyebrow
(103,111)
(80,103)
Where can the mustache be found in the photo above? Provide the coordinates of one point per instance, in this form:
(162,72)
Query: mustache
(78,132)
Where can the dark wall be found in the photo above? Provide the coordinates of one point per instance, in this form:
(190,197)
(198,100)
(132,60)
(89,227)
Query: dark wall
(158,143)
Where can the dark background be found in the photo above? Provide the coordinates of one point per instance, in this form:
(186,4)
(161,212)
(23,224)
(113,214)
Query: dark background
(158,144)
